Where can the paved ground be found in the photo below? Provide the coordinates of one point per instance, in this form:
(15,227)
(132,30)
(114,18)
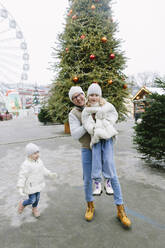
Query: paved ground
(62,203)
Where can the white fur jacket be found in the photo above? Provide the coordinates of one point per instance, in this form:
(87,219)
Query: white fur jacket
(103,125)
(31,176)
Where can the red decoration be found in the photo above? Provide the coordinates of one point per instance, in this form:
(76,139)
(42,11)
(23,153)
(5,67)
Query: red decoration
(70,12)
(75,79)
(92,56)
(66,49)
(110,81)
(74,17)
(82,36)
(124,86)
(93,7)
(96,1)
(112,56)
(104,39)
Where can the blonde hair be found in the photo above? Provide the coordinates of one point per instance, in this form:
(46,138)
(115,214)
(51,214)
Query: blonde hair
(102,101)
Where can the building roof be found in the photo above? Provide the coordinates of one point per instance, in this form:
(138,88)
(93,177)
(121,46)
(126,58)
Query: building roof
(149,90)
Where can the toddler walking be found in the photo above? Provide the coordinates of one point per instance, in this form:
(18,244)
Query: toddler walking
(31,179)
(98,118)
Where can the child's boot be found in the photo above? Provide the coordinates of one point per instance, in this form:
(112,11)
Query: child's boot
(89,211)
(35,212)
(108,187)
(97,188)
(121,215)
(20,207)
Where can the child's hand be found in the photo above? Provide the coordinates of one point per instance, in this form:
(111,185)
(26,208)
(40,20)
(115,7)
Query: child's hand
(21,192)
(53,175)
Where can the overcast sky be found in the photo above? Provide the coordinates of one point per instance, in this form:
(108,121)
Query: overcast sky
(141,26)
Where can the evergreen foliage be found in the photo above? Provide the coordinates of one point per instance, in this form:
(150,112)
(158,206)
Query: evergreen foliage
(44,116)
(150,133)
(89,30)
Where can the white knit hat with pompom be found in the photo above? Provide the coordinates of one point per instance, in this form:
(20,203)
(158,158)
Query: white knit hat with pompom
(94,89)
(31,148)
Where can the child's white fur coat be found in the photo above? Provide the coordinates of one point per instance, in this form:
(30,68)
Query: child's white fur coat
(32,176)
(103,125)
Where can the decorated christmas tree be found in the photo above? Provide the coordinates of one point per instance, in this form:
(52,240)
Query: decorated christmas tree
(88,52)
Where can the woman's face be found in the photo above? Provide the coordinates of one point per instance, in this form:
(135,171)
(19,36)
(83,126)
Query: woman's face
(78,99)
(93,98)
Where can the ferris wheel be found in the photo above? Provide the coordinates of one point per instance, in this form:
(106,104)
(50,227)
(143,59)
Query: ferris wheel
(14,56)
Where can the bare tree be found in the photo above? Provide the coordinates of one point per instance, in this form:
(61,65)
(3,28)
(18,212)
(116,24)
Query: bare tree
(144,78)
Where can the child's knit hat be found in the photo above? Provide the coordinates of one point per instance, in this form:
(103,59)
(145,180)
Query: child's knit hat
(31,148)
(94,89)
(73,90)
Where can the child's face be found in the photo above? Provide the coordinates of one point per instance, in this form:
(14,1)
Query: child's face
(93,98)
(34,156)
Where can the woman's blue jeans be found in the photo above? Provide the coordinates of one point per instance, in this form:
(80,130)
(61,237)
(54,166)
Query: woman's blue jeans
(103,163)
(87,170)
(33,200)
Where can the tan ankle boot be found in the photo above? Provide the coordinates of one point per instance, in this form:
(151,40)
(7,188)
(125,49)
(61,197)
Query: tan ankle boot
(35,212)
(121,215)
(89,211)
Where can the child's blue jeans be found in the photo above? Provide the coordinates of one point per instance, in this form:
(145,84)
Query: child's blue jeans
(103,163)
(33,200)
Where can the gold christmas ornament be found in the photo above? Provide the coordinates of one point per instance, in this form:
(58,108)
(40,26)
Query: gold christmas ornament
(75,79)
(124,86)
(93,7)
(104,39)
(110,81)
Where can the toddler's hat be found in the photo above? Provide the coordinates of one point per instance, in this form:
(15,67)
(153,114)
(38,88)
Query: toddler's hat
(31,148)
(94,89)
(73,90)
